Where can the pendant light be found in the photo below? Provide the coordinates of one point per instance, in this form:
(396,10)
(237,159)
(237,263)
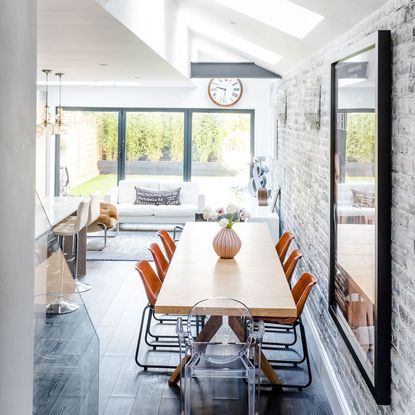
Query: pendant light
(60,127)
(45,126)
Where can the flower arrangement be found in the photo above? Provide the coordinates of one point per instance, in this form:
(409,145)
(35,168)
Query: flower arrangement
(226,216)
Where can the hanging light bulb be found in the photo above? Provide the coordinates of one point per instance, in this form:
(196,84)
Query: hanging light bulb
(45,126)
(60,127)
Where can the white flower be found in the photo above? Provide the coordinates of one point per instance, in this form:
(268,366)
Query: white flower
(223,223)
(232,208)
(244,215)
(206,211)
(221,211)
(212,215)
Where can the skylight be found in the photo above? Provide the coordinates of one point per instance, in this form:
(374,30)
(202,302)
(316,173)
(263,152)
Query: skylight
(243,46)
(283,15)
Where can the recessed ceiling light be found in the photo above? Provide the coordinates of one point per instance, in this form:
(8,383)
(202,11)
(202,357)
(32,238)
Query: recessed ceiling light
(283,15)
(232,22)
(103,64)
(137,77)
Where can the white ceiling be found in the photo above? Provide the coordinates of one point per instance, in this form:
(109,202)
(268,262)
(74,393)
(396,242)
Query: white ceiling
(77,36)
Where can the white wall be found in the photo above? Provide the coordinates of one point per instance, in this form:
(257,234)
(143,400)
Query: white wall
(17,198)
(256,96)
(159,24)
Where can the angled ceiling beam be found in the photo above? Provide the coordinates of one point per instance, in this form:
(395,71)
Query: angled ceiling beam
(230,70)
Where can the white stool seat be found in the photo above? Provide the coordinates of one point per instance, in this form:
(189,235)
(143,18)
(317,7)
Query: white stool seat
(67,227)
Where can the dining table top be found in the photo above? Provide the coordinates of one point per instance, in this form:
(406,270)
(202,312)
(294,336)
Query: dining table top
(254,276)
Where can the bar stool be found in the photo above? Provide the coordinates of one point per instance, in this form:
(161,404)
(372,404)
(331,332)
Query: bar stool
(71,226)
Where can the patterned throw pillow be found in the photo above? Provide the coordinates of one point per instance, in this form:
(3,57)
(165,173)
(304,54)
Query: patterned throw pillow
(363,199)
(154,197)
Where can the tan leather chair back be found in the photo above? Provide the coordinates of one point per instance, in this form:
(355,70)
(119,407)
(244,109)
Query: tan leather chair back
(82,215)
(94,209)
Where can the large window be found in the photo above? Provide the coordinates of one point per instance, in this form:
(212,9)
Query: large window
(221,154)
(103,146)
(154,145)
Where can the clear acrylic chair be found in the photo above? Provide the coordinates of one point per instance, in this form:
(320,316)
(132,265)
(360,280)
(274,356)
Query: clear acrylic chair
(219,340)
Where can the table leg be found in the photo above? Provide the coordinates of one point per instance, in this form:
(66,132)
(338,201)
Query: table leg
(239,330)
(209,330)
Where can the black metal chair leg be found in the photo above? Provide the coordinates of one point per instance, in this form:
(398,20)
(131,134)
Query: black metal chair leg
(137,350)
(140,334)
(284,363)
(305,351)
(268,345)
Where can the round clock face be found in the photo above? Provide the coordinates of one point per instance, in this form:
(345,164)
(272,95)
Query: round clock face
(225,91)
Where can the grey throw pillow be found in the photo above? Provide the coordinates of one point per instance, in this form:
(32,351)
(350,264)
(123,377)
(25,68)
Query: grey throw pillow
(154,197)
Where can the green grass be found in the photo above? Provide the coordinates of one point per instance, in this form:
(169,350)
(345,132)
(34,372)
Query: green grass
(100,184)
(357,179)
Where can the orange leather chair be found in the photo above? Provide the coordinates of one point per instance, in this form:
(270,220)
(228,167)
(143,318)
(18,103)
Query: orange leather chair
(168,243)
(152,285)
(291,263)
(283,244)
(160,260)
(300,292)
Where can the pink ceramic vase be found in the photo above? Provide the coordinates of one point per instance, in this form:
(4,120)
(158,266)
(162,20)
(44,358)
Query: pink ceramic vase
(226,243)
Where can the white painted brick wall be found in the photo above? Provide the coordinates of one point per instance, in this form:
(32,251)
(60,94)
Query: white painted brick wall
(303,173)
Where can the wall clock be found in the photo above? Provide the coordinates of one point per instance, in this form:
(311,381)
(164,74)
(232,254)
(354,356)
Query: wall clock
(225,92)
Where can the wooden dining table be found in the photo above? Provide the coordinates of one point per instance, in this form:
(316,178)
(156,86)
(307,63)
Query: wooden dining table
(255,277)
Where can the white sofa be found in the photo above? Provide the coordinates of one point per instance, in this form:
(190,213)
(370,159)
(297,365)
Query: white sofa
(345,206)
(124,197)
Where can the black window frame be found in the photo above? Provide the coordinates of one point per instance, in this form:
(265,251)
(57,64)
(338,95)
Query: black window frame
(122,131)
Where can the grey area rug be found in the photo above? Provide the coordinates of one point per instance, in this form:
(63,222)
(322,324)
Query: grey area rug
(128,245)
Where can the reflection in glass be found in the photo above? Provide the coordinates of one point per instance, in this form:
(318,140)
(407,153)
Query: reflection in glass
(355,200)
(66,346)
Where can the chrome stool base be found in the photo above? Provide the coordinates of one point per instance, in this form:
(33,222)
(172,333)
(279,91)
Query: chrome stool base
(81,287)
(61,306)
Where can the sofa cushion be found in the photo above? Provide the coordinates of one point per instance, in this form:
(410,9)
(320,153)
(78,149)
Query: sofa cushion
(126,191)
(129,209)
(160,197)
(189,192)
(175,211)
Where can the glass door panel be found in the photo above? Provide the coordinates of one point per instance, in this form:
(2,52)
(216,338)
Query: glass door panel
(221,154)
(154,145)
(88,153)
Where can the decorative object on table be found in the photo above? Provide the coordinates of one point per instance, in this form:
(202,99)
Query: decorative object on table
(263,197)
(259,178)
(360,207)
(225,92)
(226,243)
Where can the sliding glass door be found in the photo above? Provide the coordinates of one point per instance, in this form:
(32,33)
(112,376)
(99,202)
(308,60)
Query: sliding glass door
(222,147)
(154,145)
(88,153)
(210,146)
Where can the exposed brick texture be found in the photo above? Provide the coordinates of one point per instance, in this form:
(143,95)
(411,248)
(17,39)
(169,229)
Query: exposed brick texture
(302,170)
